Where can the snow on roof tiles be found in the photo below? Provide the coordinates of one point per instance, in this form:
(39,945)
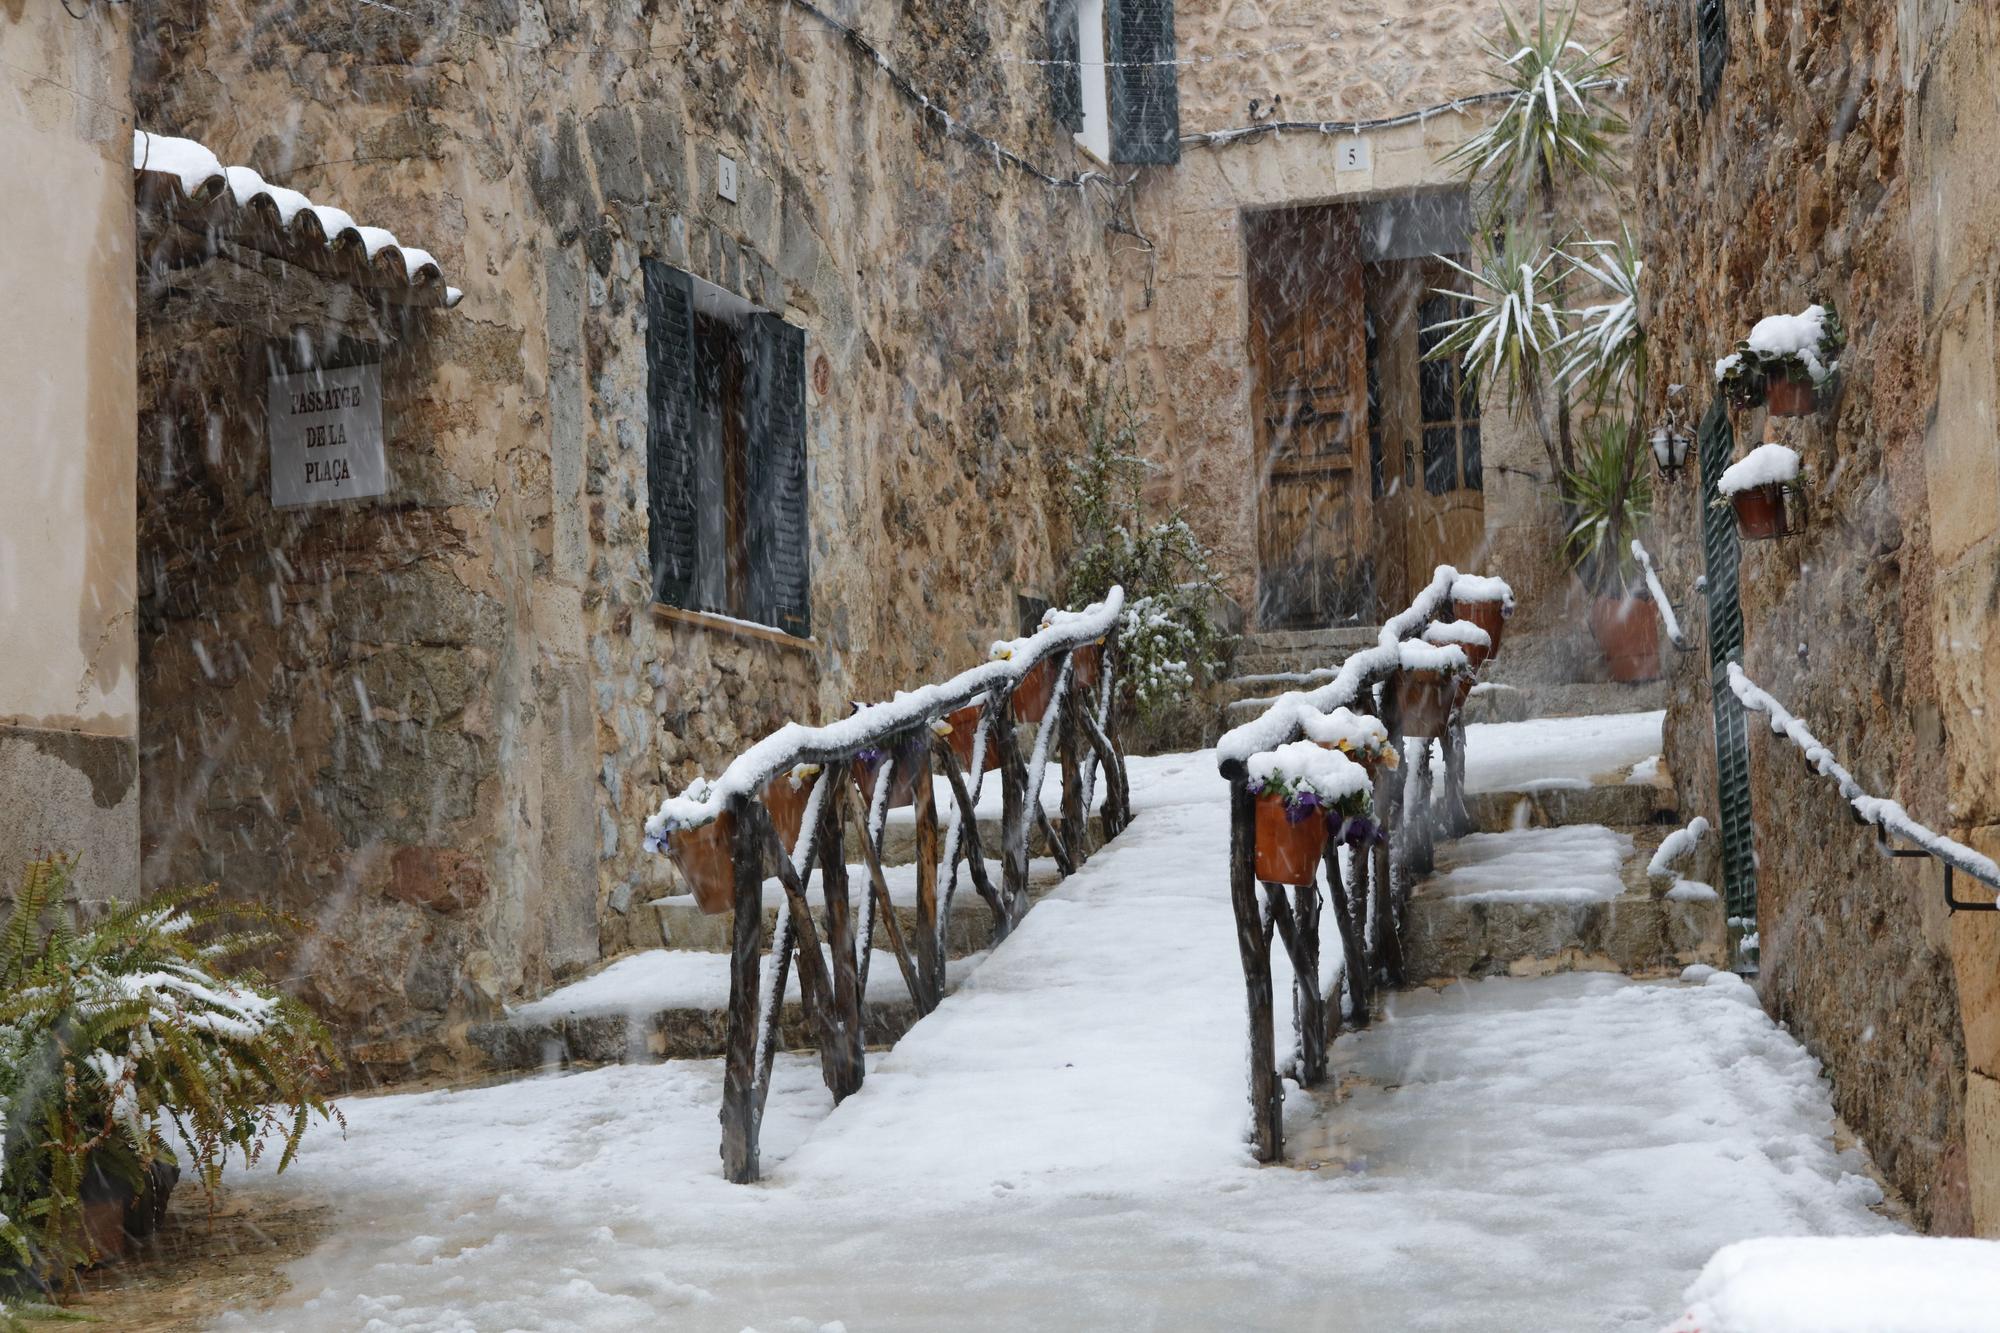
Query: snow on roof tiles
(189,173)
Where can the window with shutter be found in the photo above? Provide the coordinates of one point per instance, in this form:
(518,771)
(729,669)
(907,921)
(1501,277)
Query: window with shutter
(672,426)
(1144,82)
(1065,74)
(1725,645)
(725,460)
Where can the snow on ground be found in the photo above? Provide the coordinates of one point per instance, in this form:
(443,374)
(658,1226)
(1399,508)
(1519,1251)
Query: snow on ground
(1882,1284)
(1570,864)
(1061,1146)
(1558,751)
(901,881)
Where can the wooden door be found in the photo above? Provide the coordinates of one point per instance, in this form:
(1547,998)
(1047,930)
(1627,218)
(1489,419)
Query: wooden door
(1311,417)
(1447,523)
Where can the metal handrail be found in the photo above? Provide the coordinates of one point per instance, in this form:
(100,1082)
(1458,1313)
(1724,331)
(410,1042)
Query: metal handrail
(1889,818)
(1668,621)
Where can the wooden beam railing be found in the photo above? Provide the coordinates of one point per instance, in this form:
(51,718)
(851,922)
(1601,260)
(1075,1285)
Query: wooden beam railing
(1368,887)
(1078,732)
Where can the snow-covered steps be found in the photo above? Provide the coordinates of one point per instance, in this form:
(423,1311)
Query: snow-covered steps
(1619,805)
(1505,701)
(682,925)
(1533,901)
(1288,650)
(671,1004)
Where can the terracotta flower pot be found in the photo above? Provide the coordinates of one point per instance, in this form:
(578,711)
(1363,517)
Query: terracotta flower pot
(964,727)
(1032,695)
(1787,397)
(706,858)
(787,806)
(1289,850)
(1461,691)
(903,778)
(1760,512)
(1423,699)
(1628,630)
(1489,616)
(1087,665)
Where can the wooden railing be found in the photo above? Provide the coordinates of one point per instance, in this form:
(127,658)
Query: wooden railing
(1368,890)
(1078,732)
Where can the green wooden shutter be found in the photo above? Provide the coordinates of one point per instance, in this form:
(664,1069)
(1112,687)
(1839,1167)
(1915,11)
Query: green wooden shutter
(1065,75)
(672,539)
(1711,22)
(1144,82)
(779,536)
(1725,645)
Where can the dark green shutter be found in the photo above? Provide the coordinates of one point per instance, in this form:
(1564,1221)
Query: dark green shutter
(779,539)
(1725,645)
(1144,82)
(1711,22)
(1065,75)
(670,432)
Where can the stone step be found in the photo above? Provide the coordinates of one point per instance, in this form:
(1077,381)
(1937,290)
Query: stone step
(1549,912)
(1501,700)
(683,925)
(1237,688)
(1335,637)
(1625,805)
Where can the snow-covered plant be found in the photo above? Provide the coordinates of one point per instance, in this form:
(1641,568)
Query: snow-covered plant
(1510,334)
(1169,641)
(1805,347)
(1357,735)
(1558,124)
(1311,779)
(1767,465)
(1604,353)
(136,1041)
(1610,496)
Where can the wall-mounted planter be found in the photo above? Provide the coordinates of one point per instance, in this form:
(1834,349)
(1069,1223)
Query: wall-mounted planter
(1628,630)
(1762,487)
(1786,396)
(704,857)
(1762,512)
(1784,362)
(1288,849)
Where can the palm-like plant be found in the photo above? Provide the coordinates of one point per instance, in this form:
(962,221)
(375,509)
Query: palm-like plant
(1604,355)
(1609,496)
(1512,333)
(1557,124)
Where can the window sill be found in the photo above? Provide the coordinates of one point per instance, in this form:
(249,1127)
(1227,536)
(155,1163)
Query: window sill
(737,629)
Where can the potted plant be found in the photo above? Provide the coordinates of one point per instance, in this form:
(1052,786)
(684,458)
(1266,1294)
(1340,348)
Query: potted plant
(911,754)
(704,853)
(1363,739)
(1298,788)
(1486,602)
(1610,495)
(130,1050)
(1425,684)
(1785,363)
(1467,634)
(1757,486)
(963,725)
(785,797)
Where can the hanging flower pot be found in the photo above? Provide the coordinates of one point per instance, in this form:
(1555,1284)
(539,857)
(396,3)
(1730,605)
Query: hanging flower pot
(1423,700)
(1291,838)
(1087,665)
(1489,616)
(1760,513)
(785,798)
(909,767)
(964,724)
(1037,688)
(1762,488)
(1628,630)
(1784,362)
(706,858)
(1787,396)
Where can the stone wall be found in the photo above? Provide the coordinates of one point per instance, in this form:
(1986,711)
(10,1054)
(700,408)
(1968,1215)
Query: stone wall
(68,697)
(1186,299)
(1798,185)
(470,832)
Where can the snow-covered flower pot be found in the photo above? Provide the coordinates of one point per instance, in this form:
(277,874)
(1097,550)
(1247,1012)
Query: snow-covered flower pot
(1467,634)
(1762,488)
(1486,602)
(1628,630)
(1086,663)
(1785,363)
(785,798)
(706,855)
(1300,787)
(909,753)
(1037,688)
(1424,686)
(1489,616)
(1363,739)
(964,724)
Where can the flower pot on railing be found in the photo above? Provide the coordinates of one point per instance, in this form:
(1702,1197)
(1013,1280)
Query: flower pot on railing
(1291,838)
(785,798)
(1037,688)
(909,767)
(1359,832)
(1461,691)
(1628,630)
(705,856)
(1489,616)
(1424,699)
(1087,665)
(964,724)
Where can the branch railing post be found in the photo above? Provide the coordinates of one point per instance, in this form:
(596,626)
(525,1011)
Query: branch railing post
(739,1072)
(1267,1126)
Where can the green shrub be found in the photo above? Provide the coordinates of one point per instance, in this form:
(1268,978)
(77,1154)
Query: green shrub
(137,1040)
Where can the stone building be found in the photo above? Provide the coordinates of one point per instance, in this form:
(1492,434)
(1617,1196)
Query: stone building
(754,402)
(1277,313)
(1792,154)
(69,707)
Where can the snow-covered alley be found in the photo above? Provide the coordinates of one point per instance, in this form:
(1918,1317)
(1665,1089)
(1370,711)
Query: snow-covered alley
(1061,1145)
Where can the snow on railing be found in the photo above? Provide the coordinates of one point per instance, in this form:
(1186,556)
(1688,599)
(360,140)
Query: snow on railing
(795,743)
(1666,608)
(1886,815)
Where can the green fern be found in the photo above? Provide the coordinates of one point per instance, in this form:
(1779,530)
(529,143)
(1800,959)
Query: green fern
(136,1040)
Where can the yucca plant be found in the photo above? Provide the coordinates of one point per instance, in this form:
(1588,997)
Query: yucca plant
(136,1041)
(1558,123)
(1511,334)
(1609,496)
(1604,353)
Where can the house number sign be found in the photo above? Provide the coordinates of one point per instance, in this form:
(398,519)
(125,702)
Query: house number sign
(326,436)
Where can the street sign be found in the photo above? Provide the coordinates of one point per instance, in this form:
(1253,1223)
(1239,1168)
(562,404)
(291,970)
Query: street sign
(326,436)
